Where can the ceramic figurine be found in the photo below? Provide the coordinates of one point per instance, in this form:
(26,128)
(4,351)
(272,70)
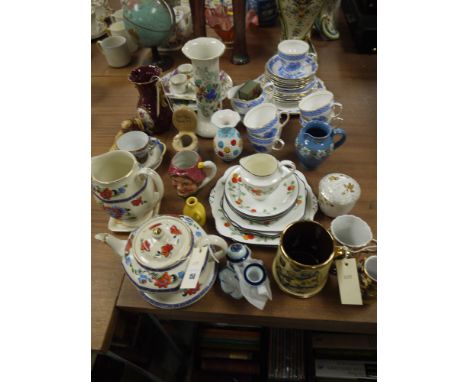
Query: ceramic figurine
(227,143)
(315,143)
(155,258)
(125,191)
(189,174)
(152,106)
(204,53)
(195,210)
(338,193)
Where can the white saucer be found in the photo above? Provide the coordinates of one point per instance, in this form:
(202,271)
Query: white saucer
(183,298)
(101,30)
(156,154)
(115,225)
(275,204)
(307,68)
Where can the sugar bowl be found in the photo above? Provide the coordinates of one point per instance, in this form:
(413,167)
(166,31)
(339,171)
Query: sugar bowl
(338,193)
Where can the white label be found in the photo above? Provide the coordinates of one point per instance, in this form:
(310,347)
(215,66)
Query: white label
(194,267)
(348,281)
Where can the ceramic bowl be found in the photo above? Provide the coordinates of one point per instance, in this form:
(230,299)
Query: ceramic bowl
(351,231)
(242,106)
(338,193)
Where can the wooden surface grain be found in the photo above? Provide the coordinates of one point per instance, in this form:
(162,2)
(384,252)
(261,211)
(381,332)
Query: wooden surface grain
(352,78)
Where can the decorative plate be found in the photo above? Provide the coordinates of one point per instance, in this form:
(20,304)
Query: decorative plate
(243,202)
(184,297)
(275,67)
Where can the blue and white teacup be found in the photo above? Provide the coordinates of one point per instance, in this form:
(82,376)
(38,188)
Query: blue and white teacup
(243,106)
(292,53)
(265,145)
(263,121)
(319,106)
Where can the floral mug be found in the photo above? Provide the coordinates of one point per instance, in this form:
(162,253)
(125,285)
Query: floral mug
(189,174)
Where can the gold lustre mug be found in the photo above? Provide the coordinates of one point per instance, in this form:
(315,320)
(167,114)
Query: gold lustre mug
(305,253)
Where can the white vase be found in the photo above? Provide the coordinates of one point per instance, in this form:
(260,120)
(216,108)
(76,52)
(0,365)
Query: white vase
(204,53)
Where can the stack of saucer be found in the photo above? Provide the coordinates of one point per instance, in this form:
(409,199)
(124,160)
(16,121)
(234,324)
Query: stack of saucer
(241,217)
(292,73)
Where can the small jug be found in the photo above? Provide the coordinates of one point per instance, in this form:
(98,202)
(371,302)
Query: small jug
(227,143)
(195,210)
(315,143)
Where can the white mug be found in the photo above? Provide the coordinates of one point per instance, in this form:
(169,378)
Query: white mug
(351,231)
(118,29)
(115,50)
(319,105)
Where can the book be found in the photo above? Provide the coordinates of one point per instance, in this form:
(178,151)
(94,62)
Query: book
(325,369)
(228,354)
(343,341)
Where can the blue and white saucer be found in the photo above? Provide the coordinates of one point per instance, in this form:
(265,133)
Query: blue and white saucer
(306,68)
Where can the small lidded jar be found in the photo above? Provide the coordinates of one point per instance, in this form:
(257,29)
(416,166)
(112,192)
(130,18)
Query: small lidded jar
(338,193)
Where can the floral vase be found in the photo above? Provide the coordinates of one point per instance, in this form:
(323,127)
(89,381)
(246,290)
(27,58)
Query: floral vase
(204,53)
(152,106)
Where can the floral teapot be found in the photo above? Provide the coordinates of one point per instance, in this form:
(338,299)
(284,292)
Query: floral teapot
(155,256)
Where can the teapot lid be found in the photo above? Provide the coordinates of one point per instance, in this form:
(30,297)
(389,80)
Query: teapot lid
(339,188)
(162,242)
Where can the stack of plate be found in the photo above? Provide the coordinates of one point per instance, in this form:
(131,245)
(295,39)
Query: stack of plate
(242,218)
(289,87)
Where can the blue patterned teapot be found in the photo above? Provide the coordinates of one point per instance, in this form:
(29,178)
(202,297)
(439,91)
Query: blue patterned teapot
(315,142)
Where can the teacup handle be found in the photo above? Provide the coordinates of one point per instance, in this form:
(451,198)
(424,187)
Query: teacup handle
(336,121)
(211,167)
(278,145)
(154,176)
(337,108)
(282,124)
(215,241)
(342,140)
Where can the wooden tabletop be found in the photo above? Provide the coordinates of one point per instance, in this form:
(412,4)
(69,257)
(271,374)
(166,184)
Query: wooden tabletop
(352,78)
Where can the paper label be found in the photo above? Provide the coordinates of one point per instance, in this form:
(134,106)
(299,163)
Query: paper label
(348,281)
(194,267)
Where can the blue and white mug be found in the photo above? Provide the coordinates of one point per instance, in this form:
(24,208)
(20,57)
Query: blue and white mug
(320,106)
(261,120)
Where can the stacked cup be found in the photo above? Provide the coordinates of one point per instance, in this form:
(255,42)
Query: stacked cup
(320,106)
(264,127)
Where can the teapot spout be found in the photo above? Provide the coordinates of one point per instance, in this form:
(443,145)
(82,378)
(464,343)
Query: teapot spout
(117,245)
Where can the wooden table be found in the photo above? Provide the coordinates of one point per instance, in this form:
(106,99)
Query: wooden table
(352,78)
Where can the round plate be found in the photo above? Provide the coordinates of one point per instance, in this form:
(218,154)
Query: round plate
(184,297)
(243,202)
(275,67)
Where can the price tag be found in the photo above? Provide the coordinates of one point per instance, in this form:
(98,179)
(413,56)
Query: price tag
(194,267)
(348,281)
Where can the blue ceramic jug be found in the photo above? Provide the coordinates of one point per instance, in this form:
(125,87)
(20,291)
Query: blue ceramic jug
(315,143)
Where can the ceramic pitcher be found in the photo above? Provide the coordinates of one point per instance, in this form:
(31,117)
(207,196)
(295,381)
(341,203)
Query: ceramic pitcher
(125,191)
(315,143)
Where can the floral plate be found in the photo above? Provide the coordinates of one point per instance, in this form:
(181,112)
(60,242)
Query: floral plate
(276,204)
(225,227)
(185,297)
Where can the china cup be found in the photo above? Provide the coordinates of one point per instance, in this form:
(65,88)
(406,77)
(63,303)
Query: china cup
(292,53)
(118,29)
(351,231)
(264,119)
(265,145)
(137,143)
(368,278)
(115,50)
(319,105)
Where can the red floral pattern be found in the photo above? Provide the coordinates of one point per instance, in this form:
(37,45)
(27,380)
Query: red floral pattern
(138,201)
(175,231)
(166,249)
(163,281)
(145,245)
(106,193)
(190,292)
(248,236)
(236,178)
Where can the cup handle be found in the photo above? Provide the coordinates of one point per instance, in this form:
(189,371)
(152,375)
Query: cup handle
(337,108)
(313,52)
(290,166)
(215,241)
(154,176)
(342,140)
(336,121)
(211,167)
(282,124)
(276,146)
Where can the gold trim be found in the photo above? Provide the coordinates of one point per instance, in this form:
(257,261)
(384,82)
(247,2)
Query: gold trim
(123,177)
(365,270)
(332,255)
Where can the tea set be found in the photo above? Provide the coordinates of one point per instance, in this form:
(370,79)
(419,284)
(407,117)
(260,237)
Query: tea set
(258,201)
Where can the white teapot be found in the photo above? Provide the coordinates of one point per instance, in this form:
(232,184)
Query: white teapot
(261,174)
(155,256)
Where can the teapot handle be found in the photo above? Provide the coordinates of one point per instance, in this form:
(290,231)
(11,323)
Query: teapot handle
(154,176)
(342,140)
(214,241)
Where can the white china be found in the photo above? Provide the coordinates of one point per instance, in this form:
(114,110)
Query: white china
(319,104)
(227,229)
(136,142)
(155,256)
(261,174)
(118,29)
(156,154)
(279,200)
(351,231)
(186,69)
(115,50)
(263,118)
(276,69)
(338,193)
(179,83)
(293,50)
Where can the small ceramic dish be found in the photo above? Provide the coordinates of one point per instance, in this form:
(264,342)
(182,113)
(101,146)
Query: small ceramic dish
(338,193)
(243,106)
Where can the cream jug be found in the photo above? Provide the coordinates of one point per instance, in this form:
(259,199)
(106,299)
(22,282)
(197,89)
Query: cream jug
(125,191)
(262,173)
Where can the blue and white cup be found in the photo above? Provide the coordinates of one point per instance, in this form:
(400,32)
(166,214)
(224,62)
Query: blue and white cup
(292,53)
(264,120)
(265,145)
(319,106)
(243,106)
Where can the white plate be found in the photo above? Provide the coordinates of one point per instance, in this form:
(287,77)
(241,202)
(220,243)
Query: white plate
(308,68)
(296,213)
(242,201)
(156,155)
(183,298)
(225,228)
